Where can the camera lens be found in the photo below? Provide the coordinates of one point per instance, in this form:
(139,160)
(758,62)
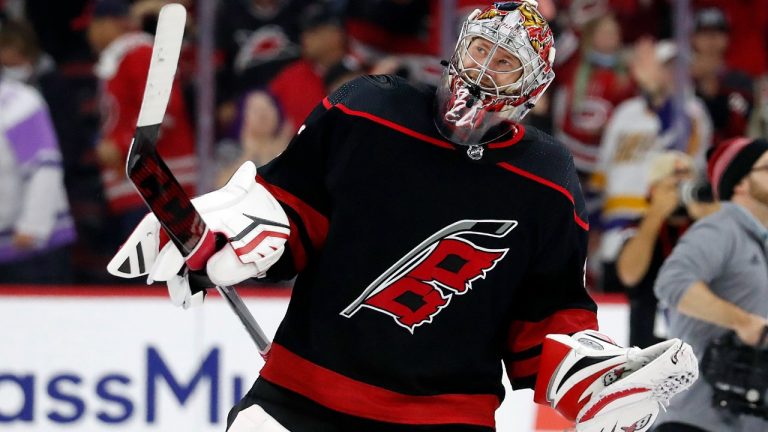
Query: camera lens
(699,191)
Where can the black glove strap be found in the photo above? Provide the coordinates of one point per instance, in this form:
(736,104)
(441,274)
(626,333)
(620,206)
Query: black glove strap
(198,281)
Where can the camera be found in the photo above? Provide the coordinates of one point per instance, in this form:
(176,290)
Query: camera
(696,191)
(738,375)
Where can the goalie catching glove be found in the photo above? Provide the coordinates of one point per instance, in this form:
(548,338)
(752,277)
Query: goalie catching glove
(242,212)
(604,387)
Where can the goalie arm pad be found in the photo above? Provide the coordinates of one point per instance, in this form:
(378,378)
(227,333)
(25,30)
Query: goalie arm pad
(591,380)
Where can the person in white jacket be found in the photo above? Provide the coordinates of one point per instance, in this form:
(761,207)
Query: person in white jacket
(36,226)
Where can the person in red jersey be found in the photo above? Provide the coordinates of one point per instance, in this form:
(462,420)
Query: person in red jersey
(124,55)
(323,47)
(436,242)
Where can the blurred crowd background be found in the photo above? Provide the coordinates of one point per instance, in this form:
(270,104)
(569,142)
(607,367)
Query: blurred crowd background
(643,89)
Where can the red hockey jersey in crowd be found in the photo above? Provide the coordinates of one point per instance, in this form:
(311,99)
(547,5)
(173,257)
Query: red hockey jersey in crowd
(122,69)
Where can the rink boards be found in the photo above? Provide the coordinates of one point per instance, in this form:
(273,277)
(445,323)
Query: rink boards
(124,359)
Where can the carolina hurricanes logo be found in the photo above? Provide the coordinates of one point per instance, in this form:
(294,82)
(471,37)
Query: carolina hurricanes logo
(261,46)
(423,282)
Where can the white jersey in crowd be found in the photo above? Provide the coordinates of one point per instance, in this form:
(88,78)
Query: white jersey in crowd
(632,138)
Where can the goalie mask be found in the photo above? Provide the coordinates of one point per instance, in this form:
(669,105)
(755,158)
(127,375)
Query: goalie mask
(501,66)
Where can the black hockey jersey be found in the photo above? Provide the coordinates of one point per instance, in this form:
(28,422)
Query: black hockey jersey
(419,270)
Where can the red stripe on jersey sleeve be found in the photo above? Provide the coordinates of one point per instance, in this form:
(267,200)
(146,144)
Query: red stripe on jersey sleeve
(313,221)
(525,335)
(297,249)
(349,396)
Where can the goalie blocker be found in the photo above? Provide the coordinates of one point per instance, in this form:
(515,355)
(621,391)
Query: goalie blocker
(243,212)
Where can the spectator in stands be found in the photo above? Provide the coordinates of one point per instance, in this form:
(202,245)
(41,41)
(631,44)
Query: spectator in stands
(262,134)
(715,280)
(639,129)
(591,84)
(124,56)
(35,223)
(255,39)
(649,241)
(70,99)
(20,54)
(22,59)
(749,32)
(727,94)
(323,47)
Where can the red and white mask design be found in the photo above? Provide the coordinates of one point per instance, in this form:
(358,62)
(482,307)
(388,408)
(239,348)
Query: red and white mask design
(500,67)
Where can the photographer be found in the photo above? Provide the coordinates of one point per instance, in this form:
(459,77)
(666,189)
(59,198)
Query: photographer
(675,201)
(715,279)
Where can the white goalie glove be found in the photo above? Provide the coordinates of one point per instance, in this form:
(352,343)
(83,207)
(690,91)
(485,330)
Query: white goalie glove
(243,212)
(604,387)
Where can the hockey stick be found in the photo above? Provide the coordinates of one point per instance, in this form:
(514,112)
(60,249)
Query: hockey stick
(156,183)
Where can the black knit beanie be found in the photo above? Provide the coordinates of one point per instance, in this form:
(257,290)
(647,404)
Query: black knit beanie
(731,161)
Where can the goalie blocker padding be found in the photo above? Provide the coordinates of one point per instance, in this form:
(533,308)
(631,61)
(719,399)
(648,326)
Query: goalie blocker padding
(601,386)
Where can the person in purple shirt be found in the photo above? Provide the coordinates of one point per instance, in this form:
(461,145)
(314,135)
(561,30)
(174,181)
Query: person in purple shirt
(36,226)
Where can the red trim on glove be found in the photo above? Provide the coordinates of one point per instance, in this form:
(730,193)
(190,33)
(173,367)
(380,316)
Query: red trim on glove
(610,398)
(570,404)
(257,241)
(163,239)
(207,247)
